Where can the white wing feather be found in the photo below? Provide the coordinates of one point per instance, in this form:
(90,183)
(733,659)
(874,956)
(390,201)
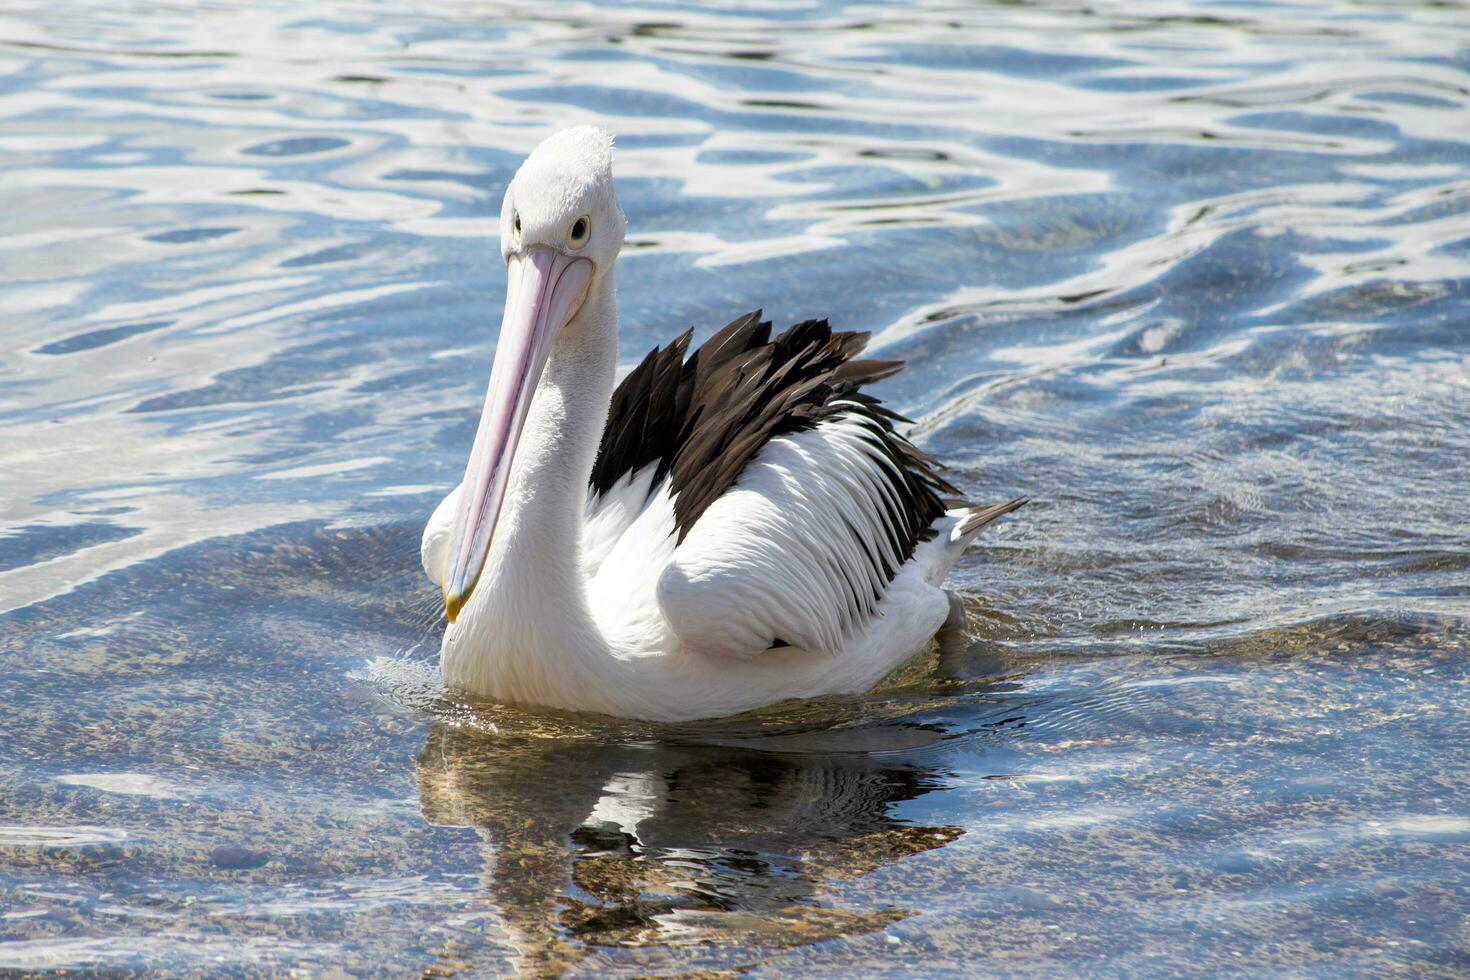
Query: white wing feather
(787,554)
(610,515)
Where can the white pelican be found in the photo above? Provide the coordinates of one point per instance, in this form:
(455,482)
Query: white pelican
(724,530)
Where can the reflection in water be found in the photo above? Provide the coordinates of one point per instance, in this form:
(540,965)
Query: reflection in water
(593,844)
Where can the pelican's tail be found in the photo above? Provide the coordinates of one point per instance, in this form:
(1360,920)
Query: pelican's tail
(976,518)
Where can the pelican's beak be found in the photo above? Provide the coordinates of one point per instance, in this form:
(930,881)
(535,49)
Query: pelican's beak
(546,288)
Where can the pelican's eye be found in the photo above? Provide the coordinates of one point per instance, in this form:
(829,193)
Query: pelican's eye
(515,227)
(581,231)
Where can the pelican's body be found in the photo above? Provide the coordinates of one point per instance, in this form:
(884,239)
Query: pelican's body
(730,528)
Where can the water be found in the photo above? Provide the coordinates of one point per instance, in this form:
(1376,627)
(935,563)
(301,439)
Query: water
(1193,277)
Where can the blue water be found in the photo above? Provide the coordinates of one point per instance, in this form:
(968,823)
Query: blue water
(1194,277)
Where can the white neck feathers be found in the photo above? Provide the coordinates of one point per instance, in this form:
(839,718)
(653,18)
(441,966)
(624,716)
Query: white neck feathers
(527,630)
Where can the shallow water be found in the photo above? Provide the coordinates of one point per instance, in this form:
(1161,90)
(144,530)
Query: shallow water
(1193,277)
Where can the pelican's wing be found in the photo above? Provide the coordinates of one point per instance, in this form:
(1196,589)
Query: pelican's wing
(758,493)
(804,547)
(638,446)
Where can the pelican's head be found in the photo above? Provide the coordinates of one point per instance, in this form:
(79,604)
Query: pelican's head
(560,232)
(562,200)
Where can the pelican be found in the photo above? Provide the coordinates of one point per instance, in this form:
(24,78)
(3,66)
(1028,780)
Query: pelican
(724,529)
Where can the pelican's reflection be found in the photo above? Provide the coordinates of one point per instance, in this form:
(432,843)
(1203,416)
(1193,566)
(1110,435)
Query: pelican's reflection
(589,843)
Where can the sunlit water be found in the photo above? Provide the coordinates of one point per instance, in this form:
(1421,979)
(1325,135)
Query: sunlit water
(1193,277)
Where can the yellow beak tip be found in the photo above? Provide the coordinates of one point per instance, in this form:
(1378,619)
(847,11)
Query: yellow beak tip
(452,604)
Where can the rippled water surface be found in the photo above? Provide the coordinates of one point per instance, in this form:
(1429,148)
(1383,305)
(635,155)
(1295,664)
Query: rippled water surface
(1193,277)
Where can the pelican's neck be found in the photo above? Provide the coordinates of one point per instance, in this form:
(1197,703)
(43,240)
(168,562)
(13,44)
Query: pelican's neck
(528,624)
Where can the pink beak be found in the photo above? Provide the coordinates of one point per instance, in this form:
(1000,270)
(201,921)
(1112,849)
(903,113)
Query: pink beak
(546,288)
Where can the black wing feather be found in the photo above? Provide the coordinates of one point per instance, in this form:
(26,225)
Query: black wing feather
(701,418)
